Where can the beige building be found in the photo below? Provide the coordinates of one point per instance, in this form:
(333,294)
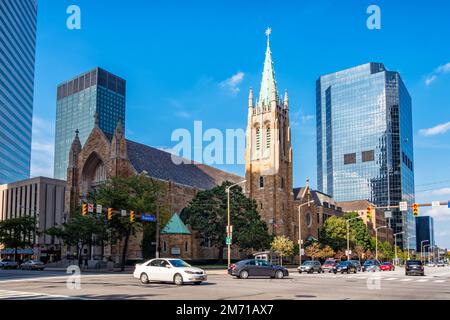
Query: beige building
(42,198)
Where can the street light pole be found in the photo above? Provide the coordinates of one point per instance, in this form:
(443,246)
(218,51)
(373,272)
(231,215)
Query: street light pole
(300,230)
(229,232)
(421,249)
(407,239)
(348,236)
(395,246)
(428,253)
(376,240)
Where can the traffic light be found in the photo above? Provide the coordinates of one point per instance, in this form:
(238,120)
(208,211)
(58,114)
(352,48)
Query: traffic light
(416,209)
(84,209)
(110,214)
(132,216)
(369,213)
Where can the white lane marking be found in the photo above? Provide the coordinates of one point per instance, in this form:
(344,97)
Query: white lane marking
(390,279)
(439,281)
(423,280)
(405,280)
(8,294)
(64,277)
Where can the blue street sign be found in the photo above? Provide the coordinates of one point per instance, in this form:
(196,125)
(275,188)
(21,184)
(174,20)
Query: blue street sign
(148,217)
(449,204)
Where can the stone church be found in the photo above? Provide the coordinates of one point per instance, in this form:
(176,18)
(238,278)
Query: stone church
(268,174)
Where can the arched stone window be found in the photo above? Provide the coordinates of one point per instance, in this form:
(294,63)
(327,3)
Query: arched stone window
(258,138)
(93,173)
(268,136)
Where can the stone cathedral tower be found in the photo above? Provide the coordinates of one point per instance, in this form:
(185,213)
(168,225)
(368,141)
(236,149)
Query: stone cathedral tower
(268,163)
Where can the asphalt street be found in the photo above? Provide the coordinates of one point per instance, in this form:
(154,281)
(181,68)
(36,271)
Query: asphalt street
(56,285)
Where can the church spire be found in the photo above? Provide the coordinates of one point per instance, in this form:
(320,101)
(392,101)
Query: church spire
(268,84)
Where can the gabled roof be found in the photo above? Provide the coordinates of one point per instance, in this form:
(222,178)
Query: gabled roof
(175,226)
(160,165)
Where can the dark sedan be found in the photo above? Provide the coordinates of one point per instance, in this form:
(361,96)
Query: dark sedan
(345,267)
(257,268)
(414,267)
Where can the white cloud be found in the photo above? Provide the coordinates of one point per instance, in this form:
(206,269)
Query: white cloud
(42,148)
(441,213)
(442,69)
(435,193)
(439,129)
(233,82)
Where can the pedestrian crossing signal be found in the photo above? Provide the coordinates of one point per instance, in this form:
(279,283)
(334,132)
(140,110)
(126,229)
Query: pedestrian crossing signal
(132,216)
(110,214)
(84,209)
(416,210)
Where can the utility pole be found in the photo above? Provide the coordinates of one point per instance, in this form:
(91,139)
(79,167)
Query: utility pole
(300,229)
(348,236)
(229,230)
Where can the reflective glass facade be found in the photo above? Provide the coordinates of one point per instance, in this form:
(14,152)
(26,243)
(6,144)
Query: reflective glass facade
(78,101)
(425,231)
(17,59)
(365,141)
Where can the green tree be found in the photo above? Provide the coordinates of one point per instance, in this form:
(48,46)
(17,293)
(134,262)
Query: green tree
(207,214)
(82,232)
(386,249)
(283,247)
(141,194)
(334,233)
(313,251)
(327,252)
(17,233)
(359,233)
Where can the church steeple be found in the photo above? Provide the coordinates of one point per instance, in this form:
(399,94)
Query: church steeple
(268,91)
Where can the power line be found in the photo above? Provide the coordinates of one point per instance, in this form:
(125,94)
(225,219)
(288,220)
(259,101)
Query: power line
(432,183)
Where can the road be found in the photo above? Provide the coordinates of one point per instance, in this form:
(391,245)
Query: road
(31,285)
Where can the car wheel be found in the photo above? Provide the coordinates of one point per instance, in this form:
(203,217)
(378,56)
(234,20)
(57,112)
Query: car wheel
(178,279)
(144,278)
(243,274)
(354,271)
(279,274)
(300,272)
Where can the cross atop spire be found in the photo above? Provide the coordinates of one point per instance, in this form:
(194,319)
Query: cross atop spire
(268,83)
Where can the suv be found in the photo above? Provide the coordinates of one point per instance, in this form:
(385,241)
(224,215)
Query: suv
(414,267)
(310,267)
(371,265)
(8,264)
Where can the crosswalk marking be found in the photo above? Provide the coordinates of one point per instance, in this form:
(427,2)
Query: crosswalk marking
(439,281)
(423,280)
(391,279)
(19,295)
(405,280)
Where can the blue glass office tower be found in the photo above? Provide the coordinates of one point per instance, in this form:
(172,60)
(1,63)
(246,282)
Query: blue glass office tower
(17,58)
(95,94)
(365,141)
(425,231)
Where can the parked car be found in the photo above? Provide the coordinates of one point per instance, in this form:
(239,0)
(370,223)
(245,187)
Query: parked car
(32,265)
(441,264)
(357,264)
(257,268)
(345,267)
(169,270)
(371,266)
(414,267)
(8,264)
(329,264)
(431,264)
(310,267)
(387,266)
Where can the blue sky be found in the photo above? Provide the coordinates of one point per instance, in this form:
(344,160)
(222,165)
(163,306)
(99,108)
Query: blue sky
(195,60)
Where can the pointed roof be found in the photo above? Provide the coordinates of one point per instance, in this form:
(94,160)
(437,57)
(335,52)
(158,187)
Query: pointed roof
(175,226)
(268,82)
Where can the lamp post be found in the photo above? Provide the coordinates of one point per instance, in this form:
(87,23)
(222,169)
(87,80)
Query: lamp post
(229,231)
(427,257)
(300,229)
(376,240)
(348,236)
(395,246)
(421,249)
(407,239)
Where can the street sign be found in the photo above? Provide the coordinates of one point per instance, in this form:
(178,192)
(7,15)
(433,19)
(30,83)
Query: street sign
(435,204)
(228,241)
(449,204)
(388,214)
(148,217)
(348,252)
(229,229)
(403,206)
(90,208)
(123,213)
(302,252)
(99,208)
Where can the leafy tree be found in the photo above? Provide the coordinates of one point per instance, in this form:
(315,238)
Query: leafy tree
(282,246)
(386,249)
(334,233)
(313,250)
(359,251)
(82,232)
(359,233)
(207,214)
(369,254)
(141,194)
(16,233)
(326,252)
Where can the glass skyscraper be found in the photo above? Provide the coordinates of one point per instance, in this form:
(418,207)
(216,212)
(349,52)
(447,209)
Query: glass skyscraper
(95,93)
(365,141)
(17,59)
(424,232)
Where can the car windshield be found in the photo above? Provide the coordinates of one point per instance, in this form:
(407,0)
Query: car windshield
(386,264)
(308,263)
(179,263)
(369,262)
(415,263)
(344,263)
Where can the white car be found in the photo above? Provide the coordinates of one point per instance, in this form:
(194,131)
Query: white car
(169,270)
